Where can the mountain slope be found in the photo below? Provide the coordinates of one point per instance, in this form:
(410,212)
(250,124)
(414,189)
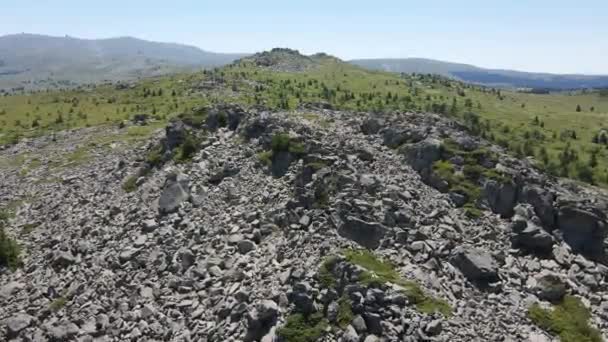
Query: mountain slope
(36,61)
(489,77)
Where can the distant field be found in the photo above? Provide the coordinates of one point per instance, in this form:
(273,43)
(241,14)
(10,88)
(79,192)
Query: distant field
(548,126)
(33,114)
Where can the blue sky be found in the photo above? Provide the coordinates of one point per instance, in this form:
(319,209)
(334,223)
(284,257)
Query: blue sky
(534,35)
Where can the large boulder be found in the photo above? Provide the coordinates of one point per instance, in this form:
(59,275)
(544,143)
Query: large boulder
(17,322)
(423,154)
(583,228)
(175,134)
(549,286)
(501,197)
(542,202)
(477,266)
(175,192)
(367,234)
(533,239)
(371,126)
(261,319)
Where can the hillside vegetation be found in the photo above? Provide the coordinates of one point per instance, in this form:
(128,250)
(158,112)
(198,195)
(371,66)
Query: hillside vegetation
(563,131)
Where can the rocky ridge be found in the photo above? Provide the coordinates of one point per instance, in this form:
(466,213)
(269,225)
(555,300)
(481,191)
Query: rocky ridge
(228,246)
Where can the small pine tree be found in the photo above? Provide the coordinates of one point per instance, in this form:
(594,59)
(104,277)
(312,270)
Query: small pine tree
(578,108)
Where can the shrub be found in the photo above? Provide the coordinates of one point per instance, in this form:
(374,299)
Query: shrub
(345,312)
(187,149)
(568,320)
(58,303)
(222,119)
(381,272)
(9,249)
(324,275)
(130,184)
(265,157)
(155,156)
(280,142)
(300,328)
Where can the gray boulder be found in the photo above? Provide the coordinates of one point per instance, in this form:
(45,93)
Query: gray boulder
(371,126)
(367,234)
(280,163)
(17,322)
(175,134)
(261,319)
(477,266)
(534,239)
(501,197)
(350,335)
(584,229)
(423,154)
(542,202)
(175,192)
(550,287)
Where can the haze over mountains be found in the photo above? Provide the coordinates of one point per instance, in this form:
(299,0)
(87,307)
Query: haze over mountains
(47,60)
(489,77)
(38,61)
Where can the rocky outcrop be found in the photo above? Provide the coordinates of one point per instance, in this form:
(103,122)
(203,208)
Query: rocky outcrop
(367,234)
(233,253)
(422,155)
(501,197)
(175,192)
(583,228)
(477,266)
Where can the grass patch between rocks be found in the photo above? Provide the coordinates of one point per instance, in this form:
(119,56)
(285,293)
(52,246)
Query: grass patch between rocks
(300,328)
(569,320)
(382,272)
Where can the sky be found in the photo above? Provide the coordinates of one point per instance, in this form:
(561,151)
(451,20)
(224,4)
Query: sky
(530,35)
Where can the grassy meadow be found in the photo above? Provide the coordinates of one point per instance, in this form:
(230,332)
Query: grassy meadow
(563,131)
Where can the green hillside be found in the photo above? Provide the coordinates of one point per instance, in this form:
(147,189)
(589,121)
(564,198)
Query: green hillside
(563,131)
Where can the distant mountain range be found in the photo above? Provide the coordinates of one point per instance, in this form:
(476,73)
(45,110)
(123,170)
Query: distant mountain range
(38,61)
(489,77)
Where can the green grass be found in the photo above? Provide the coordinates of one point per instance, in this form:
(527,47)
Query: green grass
(325,276)
(526,124)
(187,149)
(345,313)
(265,157)
(381,272)
(58,303)
(28,228)
(102,104)
(300,328)
(9,251)
(130,184)
(569,320)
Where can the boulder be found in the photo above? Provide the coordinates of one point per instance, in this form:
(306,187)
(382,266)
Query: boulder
(584,229)
(17,322)
(350,335)
(261,319)
(423,154)
(175,192)
(542,202)
(477,266)
(501,197)
(371,126)
(550,287)
(534,239)
(280,163)
(175,134)
(367,234)
(394,138)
